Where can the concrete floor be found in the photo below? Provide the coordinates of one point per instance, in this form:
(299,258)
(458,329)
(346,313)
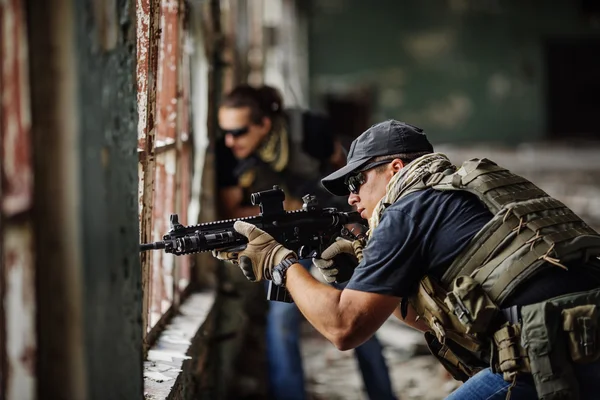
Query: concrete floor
(334,375)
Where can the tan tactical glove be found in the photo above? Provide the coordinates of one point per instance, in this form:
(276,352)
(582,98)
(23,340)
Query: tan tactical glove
(329,268)
(260,255)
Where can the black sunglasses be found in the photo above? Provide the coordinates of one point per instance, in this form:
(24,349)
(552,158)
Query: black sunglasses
(355,180)
(236,132)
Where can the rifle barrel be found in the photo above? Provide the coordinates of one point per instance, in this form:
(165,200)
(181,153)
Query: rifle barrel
(152,246)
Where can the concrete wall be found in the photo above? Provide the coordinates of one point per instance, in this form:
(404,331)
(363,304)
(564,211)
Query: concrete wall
(88,275)
(105,35)
(462,69)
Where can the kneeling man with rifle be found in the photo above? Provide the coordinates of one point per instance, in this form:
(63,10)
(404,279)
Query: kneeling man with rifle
(502,278)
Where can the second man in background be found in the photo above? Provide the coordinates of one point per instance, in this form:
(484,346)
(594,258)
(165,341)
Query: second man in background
(264,145)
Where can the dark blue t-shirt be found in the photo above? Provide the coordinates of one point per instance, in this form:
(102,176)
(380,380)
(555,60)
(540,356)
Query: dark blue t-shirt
(423,233)
(420,234)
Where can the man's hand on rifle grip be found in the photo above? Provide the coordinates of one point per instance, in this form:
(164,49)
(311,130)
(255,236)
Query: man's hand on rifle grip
(333,266)
(261,254)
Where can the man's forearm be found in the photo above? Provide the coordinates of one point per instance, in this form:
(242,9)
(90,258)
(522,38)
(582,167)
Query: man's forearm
(317,301)
(323,306)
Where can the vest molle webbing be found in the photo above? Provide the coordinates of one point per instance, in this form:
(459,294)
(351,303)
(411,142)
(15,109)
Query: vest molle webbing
(529,229)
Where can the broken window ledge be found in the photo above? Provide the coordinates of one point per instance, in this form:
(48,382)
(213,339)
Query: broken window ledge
(172,353)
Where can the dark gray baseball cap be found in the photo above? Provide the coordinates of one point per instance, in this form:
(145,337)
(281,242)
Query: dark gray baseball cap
(382,139)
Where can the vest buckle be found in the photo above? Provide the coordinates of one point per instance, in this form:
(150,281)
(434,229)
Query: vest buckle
(439,330)
(460,310)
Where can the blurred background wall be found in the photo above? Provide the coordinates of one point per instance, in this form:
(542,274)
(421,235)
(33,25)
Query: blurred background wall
(468,71)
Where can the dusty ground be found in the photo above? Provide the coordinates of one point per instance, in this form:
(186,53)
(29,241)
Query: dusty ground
(334,375)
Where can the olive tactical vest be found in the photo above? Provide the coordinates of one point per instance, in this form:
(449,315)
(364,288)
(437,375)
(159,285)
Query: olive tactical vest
(529,231)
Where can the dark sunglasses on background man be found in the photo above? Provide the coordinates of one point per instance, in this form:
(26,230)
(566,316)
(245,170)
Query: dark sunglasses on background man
(356,179)
(236,132)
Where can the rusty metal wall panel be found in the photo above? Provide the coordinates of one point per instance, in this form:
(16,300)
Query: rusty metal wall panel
(17,182)
(143,55)
(168,266)
(172,183)
(184,171)
(17,291)
(163,264)
(19,302)
(182,277)
(164,169)
(159,227)
(167,73)
(148,39)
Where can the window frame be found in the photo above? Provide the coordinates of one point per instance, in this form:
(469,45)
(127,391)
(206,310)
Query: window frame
(165,156)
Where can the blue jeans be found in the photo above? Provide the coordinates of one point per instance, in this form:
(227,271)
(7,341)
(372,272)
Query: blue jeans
(489,386)
(286,374)
(374,370)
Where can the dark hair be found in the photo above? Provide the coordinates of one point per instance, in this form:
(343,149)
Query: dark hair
(406,158)
(263,102)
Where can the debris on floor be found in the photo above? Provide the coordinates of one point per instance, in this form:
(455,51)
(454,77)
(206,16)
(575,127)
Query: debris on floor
(334,375)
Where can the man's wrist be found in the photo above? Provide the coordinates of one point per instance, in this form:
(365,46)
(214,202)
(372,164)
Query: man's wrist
(279,272)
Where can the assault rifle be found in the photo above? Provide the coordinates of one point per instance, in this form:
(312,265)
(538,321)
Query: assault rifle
(307,231)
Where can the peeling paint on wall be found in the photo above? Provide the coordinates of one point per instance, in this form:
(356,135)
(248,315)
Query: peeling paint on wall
(17,291)
(172,181)
(148,40)
(20,311)
(16,148)
(163,263)
(143,43)
(166,95)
